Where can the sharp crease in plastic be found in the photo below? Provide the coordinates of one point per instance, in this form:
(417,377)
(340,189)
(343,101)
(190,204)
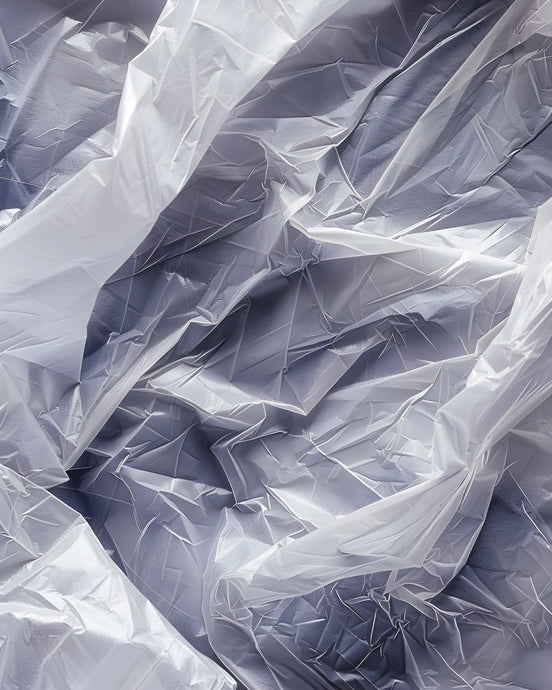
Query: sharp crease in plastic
(275,344)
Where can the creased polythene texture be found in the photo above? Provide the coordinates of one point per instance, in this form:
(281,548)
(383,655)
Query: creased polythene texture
(276,299)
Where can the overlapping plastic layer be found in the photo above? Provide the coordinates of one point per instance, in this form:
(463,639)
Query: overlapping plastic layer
(275,344)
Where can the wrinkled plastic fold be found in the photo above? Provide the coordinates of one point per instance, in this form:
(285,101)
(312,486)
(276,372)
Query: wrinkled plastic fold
(275,344)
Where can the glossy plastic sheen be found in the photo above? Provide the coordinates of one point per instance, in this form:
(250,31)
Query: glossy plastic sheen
(275,344)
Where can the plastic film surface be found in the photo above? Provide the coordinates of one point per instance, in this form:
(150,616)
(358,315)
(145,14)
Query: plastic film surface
(275,344)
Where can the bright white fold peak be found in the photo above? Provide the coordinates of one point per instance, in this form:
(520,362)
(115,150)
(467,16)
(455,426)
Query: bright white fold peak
(275,344)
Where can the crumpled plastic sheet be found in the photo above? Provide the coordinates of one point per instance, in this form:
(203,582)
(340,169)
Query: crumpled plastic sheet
(275,344)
